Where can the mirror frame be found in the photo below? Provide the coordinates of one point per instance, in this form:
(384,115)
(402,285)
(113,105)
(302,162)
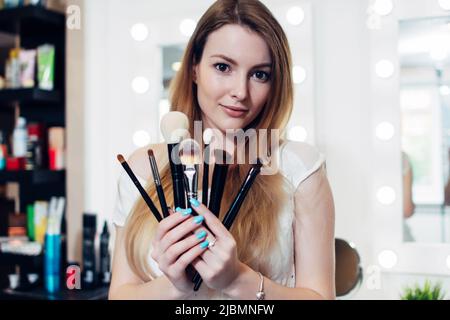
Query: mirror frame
(384,97)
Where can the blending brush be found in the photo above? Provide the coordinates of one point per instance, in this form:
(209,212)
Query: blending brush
(144,194)
(174,127)
(157,180)
(232,213)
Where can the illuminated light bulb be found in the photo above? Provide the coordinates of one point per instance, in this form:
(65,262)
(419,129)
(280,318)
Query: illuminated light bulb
(385,131)
(187,27)
(140,85)
(384,69)
(386,195)
(295,16)
(139,32)
(141,138)
(298,74)
(383,7)
(387,259)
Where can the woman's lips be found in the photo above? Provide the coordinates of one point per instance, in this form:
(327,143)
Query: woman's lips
(234,112)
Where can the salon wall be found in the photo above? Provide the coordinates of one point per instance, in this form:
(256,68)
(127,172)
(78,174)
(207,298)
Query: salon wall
(105,112)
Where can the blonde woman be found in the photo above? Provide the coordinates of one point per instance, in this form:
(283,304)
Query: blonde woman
(235,74)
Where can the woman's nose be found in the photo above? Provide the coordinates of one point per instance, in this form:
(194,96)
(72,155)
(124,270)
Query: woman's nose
(239,89)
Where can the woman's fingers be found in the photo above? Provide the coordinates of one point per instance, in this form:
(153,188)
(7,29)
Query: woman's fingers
(213,223)
(174,219)
(180,231)
(188,257)
(177,249)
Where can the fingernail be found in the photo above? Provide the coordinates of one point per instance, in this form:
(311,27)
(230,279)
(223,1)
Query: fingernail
(198,219)
(194,202)
(186,212)
(204,244)
(178,209)
(201,235)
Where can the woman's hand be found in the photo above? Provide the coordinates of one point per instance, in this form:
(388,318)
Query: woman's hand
(218,266)
(179,240)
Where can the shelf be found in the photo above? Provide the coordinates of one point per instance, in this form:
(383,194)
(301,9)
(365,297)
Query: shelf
(29,95)
(33,177)
(12,19)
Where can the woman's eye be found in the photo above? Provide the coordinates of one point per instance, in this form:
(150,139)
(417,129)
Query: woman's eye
(222,67)
(261,75)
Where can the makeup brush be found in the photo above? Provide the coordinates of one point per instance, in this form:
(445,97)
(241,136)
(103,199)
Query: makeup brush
(144,194)
(190,157)
(222,159)
(157,180)
(207,137)
(232,213)
(174,127)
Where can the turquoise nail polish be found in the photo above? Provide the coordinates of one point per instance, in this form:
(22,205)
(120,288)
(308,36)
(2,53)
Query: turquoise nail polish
(198,219)
(204,244)
(178,209)
(194,202)
(201,235)
(186,212)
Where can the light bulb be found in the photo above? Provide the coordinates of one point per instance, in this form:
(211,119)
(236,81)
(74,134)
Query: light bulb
(384,69)
(445,4)
(139,32)
(383,7)
(176,66)
(295,16)
(140,85)
(387,259)
(385,131)
(187,27)
(298,74)
(386,195)
(444,90)
(141,138)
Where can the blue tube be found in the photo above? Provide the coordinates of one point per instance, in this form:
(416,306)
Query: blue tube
(52,262)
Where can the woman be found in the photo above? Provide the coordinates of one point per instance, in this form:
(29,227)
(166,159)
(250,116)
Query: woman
(235,74)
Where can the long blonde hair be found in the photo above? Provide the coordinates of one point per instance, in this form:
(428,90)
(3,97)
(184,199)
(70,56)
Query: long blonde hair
(255,228)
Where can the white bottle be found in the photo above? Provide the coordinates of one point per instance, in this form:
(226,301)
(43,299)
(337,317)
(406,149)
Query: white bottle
(20,136)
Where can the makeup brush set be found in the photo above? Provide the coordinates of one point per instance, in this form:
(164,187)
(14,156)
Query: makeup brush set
(185,157)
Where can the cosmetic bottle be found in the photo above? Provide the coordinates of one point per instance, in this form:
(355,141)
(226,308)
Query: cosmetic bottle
(35,152)
(20,136)
(3,152)
(105,273)
(52,262)
(89,265)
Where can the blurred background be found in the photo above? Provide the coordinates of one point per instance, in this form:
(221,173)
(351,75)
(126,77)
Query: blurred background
(81,81)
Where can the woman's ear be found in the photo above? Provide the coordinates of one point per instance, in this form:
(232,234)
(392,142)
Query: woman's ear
(194,73)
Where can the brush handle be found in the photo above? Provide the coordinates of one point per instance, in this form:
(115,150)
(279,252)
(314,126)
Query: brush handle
(232,213)
(205,180)
(176,170)
(143,193)
(217,187)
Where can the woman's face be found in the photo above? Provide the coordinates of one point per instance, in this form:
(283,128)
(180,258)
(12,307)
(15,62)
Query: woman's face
(233,78)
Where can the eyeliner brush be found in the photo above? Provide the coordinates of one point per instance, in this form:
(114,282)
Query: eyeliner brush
(157,180)
(144,194)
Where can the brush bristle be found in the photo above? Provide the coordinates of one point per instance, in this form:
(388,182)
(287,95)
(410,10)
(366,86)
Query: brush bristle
(120,158)
(207,136)
(190,152)
(174,126)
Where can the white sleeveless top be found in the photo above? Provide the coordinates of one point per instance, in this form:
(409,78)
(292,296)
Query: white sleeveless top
(298,161)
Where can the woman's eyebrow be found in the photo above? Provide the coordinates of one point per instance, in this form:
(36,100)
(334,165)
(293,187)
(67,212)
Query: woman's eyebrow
(261,65)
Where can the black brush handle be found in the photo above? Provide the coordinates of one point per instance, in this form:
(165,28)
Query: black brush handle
(176,169)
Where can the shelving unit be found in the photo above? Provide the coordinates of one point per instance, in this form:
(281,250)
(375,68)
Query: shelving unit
(35,26)
(32,26)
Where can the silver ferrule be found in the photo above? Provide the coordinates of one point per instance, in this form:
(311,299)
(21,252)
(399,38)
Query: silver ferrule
(155,172)
(191,181)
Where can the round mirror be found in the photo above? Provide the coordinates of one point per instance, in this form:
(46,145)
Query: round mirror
(348,270)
